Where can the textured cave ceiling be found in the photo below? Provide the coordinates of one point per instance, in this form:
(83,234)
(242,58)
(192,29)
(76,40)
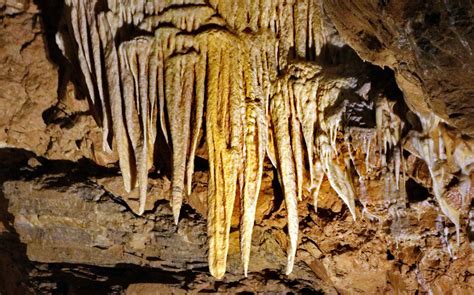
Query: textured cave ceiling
(370,101)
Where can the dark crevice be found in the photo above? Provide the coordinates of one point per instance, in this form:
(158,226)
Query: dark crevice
(390,255)
(415,191)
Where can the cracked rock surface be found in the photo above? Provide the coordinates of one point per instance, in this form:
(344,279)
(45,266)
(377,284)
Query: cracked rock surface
(428,43)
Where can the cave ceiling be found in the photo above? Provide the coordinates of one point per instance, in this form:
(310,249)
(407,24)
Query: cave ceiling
(316,91)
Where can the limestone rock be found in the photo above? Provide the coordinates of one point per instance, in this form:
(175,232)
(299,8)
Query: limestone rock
(208,146)
(427,43)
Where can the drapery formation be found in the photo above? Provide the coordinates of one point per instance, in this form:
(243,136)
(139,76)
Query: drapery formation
(242,73)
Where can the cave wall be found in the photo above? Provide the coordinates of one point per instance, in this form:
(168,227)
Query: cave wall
(68,225)
(427,43)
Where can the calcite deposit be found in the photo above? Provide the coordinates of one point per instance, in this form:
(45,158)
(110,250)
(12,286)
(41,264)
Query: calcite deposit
(228,146)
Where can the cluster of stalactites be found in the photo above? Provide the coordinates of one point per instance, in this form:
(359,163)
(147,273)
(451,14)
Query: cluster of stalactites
(159,84)
(297,23)
(132,85)
(164,83)
(445,153)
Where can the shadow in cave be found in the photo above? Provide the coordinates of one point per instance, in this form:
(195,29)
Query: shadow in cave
(343,62)
(14,263)
(51,15)
(51,20)
(19,275)
(470,232)
(87,279)
(15,166)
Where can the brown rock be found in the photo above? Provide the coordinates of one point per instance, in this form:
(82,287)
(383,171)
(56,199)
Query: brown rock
(67,225)
(427,43)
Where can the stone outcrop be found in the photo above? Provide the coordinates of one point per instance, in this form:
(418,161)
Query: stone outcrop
(427,43)
(78,233)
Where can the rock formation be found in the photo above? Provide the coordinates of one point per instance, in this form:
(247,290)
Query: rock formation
(182,139)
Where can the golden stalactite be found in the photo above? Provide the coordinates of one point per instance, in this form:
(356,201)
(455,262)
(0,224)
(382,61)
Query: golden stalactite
(243,74)
(280,115)
(179,81)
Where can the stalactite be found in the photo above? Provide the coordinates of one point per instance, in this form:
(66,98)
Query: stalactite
(146,153)
(280,114)
(152,96)
(225,97)
(337,177)
(317,180)
(307,114)
(389,127)
(161,85)
(186,18)
(111,61)
(78,28)
(233,71)
(130,109)
(135,56)
(426,150)
(179,96)
(296,140)
(255,141)
(97,46)
(329,123)
(301,27)
(200,88)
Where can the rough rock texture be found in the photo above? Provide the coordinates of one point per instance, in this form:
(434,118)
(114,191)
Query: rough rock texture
(67,225)
(429,45)
(96,238)
(41,110)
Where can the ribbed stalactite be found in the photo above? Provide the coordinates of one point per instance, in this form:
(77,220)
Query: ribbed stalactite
(255,140)
(180,77)
(280,115)
(224,139)
(244,74)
